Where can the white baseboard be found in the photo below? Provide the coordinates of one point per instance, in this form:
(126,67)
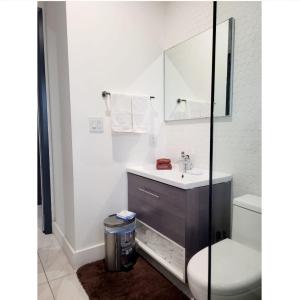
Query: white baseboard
(80,257)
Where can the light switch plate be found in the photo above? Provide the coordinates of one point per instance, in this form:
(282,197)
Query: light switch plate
(96,125)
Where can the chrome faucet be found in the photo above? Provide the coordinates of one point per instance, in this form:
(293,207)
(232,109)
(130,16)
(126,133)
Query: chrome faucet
(186,161)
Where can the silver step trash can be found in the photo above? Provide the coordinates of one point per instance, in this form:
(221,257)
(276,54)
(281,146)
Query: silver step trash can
(120,253)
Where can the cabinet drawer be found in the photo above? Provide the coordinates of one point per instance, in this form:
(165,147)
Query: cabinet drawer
(159,205)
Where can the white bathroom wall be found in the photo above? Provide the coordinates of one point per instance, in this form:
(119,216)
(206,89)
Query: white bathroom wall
(117,47)
(237,140)
(60,116)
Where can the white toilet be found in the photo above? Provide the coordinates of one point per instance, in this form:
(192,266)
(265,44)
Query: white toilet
(236,262)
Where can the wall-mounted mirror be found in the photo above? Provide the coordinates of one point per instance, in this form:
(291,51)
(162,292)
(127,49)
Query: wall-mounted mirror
(187,75)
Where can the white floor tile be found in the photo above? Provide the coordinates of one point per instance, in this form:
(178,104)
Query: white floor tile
(46,240)
(55,263)
(44,292)
(41,274)
(68,287)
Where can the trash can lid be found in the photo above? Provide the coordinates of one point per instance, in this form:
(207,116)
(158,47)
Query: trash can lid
(113,221)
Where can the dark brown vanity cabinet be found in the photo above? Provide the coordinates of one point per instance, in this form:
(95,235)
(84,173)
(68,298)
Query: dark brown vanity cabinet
(181,215)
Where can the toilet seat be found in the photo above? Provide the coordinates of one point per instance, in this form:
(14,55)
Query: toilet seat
(236,269)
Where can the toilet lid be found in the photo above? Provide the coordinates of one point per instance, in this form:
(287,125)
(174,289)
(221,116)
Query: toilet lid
(235,268)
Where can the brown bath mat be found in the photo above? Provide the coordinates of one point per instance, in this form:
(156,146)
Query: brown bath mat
(143,282)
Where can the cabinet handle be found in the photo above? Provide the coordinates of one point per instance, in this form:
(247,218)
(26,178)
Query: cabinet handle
(149,193)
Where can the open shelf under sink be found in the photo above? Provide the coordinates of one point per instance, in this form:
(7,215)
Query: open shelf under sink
(165,251)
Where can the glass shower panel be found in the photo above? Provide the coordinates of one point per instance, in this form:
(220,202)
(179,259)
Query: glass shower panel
(235,269)
(187,113)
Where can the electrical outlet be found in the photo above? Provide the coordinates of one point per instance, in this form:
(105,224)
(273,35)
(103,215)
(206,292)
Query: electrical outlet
(96,125)
(152,139)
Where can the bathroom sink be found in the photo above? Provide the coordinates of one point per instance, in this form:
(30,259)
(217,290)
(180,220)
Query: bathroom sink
(195,171)
(178,179)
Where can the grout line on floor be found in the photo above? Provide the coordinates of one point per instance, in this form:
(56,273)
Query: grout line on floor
(59,277)
(74,272)
(65,275)
(51,290)
(43,268)
(48,282)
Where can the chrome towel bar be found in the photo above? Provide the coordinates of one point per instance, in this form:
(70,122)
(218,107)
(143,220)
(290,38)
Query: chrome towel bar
(105,94)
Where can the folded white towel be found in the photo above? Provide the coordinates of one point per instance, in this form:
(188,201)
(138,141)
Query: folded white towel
(141,112)
(121,113)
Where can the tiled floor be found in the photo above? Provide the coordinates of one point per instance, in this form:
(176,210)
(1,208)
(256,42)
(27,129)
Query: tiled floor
(56,277)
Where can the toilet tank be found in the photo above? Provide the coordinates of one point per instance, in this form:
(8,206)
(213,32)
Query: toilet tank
(246,227)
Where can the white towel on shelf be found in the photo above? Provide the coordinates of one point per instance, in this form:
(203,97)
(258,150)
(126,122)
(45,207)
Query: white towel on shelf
(141,112)
(121,113)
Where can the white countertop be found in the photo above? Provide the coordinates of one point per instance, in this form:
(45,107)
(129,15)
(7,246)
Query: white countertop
(174,177)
